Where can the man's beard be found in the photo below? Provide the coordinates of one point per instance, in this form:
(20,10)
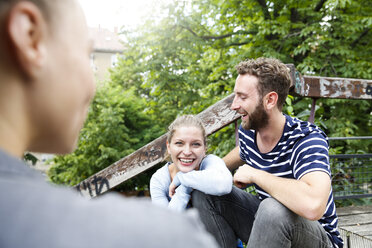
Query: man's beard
(258,119)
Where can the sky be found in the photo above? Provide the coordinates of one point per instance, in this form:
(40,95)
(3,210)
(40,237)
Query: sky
(116,13)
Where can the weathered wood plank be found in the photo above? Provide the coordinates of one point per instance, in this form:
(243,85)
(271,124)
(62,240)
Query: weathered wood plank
(327,87)
(214,118)
(355,223)
(354,210)
(362,230)
(356,219)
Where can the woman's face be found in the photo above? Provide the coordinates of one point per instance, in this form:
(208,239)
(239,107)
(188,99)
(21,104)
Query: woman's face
(187,148)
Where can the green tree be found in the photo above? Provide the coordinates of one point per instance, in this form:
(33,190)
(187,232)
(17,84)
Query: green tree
(116,126)
(185,61)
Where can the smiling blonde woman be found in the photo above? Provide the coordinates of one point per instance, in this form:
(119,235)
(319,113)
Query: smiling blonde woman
(190,169)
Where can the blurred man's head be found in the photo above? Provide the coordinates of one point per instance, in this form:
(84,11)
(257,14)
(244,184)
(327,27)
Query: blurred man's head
(46,82)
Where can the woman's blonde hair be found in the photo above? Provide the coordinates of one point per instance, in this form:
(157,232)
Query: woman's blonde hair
(186,121)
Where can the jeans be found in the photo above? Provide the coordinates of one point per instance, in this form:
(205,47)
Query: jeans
(265,223)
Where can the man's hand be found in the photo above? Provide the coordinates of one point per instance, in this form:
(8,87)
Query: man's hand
(244,176)
(172,189)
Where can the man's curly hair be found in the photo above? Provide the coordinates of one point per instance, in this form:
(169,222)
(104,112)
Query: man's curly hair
(272,75)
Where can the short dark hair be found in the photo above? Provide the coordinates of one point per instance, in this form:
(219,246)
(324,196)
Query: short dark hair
(272,75)
(48,8)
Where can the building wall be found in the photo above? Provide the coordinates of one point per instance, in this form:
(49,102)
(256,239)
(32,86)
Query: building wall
(101,62)
(107,47)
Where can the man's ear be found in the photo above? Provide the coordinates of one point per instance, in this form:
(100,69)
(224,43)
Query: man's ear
(270,100)
(26,27)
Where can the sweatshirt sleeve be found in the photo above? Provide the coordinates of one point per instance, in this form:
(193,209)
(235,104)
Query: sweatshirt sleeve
(159,185)
(180,199)
(213,177)
(159,190)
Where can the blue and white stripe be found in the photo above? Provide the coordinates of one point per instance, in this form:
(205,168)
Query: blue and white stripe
(303,148)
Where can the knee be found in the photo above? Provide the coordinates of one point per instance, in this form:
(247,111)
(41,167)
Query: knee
(270,205)
(200,199)
(272,212)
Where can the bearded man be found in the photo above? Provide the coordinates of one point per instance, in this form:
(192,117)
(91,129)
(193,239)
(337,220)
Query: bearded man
(287,161)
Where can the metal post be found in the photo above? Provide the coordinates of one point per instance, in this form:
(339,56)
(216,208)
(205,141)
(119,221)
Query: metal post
(348,240)
(312,112)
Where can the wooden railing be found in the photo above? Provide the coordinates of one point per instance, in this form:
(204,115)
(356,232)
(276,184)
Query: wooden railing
(214,118)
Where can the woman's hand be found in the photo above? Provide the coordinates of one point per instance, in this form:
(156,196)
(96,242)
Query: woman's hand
(172,189)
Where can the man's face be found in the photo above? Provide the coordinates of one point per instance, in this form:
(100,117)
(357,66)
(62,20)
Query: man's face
(248,103)
(61,97)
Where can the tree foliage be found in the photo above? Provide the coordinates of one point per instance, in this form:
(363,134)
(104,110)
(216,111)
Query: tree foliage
(116,126)
(185,61)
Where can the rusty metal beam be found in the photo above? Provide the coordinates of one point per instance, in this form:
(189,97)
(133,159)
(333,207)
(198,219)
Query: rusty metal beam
(327,87)
(214,118)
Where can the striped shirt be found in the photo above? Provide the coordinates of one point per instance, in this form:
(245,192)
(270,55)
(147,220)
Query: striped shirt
(303,148)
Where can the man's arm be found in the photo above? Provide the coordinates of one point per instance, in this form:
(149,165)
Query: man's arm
(232,159)
(306,197)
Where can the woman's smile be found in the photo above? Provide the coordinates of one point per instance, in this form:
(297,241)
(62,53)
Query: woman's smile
(186,161)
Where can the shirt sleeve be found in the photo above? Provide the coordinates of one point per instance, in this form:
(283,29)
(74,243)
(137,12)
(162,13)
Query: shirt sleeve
(213,177)
(310,154)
